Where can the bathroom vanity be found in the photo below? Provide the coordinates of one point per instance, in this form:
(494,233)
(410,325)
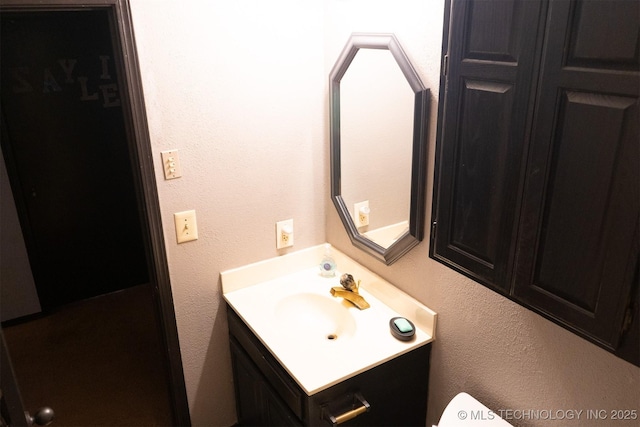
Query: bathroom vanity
(303,357)
(391,394)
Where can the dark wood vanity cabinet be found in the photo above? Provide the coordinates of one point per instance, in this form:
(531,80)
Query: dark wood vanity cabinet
(266,395)
(537,187)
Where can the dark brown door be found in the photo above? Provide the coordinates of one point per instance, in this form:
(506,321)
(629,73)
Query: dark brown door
(66,150)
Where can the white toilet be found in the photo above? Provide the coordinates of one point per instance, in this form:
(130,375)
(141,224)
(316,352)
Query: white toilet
(465,411)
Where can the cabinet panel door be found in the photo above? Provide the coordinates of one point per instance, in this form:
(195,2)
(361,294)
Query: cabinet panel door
(276,412)
(578,244)
(248,384)
(492,49)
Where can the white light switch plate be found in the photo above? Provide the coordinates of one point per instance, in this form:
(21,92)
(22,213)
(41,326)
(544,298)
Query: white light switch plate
(171,164)
(186,226)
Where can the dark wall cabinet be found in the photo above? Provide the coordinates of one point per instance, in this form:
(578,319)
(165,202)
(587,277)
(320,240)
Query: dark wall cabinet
(266,395)
(537,187)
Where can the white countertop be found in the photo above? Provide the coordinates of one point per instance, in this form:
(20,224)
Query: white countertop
(363,339)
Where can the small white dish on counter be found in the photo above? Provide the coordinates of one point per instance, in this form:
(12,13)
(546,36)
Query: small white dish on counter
(321,340)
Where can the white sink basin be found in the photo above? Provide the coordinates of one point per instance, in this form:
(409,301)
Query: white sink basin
(310,317)
(320,339)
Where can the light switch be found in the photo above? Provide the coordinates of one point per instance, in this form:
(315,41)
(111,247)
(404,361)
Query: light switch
(171,164)
(186,227)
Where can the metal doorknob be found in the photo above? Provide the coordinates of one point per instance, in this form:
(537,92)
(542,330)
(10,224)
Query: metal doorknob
(44,416)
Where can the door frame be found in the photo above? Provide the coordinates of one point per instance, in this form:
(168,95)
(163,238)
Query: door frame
(139,142)
(10,396)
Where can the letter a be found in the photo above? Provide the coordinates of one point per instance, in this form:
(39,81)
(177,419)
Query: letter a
(50,83)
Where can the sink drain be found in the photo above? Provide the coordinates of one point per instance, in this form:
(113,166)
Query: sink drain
(332,337)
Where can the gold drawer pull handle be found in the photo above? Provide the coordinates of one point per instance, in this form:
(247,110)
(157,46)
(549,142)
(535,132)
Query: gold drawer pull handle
(349,415)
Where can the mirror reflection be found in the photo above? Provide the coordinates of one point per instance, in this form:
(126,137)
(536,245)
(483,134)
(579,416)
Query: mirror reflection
(376,115)
(379,110)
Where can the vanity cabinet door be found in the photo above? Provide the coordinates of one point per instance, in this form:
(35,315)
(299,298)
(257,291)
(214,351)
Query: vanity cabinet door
(264,391)
(257,404)
(248,385)
(276,412)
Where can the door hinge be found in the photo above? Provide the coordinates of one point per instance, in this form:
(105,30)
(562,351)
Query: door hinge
(445,65)
(433,229)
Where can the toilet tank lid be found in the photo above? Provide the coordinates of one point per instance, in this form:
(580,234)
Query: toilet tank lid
(466,411)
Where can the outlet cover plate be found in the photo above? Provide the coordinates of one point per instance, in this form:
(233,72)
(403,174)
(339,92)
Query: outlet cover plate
(283,241)
(356,214)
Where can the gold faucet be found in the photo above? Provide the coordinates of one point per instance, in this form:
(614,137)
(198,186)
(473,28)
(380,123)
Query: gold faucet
(349,291)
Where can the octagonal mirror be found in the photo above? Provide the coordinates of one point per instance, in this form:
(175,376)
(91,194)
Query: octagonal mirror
(379,110)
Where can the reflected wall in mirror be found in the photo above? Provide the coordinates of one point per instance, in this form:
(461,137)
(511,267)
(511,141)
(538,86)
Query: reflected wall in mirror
(379,111)
(377,135)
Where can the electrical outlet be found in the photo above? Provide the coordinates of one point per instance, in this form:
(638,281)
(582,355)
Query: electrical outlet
(361,214)
(284,234)
(186,227)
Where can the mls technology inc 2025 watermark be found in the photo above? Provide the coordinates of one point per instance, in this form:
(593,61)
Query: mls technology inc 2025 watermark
(550,414)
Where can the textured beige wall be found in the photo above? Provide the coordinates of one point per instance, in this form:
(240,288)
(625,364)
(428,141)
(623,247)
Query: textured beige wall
(240,88)
(237,87)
